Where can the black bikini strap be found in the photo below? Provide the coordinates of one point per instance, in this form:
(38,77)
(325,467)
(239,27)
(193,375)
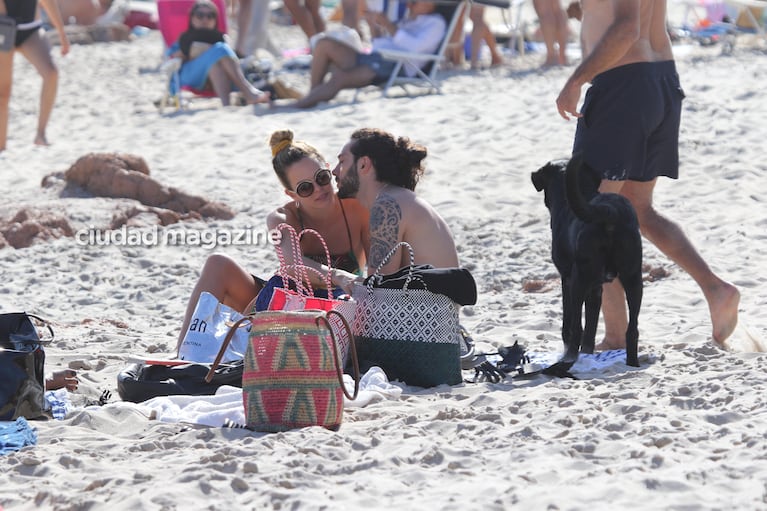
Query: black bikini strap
(348,232)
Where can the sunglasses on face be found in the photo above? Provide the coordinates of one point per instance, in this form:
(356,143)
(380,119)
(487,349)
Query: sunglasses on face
(205,14)
(306,188)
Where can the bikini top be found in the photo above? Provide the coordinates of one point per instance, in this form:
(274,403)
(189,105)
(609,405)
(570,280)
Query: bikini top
(346,261)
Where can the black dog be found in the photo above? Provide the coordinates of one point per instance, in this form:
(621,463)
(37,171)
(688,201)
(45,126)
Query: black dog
(594,239)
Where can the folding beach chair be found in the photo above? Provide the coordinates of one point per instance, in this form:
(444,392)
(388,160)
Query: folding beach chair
(426,74)
(172,20)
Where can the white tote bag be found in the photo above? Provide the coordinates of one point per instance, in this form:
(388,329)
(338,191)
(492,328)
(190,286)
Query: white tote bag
(208,327)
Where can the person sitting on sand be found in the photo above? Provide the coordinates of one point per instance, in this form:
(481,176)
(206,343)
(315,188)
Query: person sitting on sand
(421,32)
(382,171)
(209,63)
(343,223)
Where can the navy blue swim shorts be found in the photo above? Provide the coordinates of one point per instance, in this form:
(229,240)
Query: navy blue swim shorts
(383,68)
(630,124)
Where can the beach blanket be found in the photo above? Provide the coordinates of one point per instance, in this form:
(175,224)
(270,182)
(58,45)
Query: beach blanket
(226,405)
(16,434)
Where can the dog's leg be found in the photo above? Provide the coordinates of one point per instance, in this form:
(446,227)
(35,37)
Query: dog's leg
(593,304)
(567,333)
(633,287)
(572,302)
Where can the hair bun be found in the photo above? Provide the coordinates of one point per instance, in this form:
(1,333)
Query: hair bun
(280,140)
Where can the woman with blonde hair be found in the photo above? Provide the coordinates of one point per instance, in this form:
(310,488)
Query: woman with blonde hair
(314,203)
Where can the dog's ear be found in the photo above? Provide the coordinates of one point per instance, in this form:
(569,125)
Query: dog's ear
(537,178)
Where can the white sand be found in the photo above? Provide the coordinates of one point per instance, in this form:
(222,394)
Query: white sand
(684,431)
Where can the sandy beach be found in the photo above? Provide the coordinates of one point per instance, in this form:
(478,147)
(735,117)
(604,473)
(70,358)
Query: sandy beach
(685,431)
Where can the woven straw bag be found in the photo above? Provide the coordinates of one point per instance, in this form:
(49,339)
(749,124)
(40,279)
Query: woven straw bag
(412,334)
(292,376)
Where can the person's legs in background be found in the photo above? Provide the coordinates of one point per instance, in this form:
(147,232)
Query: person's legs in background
(37,51)
(481,32)
(6,79)
(554,29)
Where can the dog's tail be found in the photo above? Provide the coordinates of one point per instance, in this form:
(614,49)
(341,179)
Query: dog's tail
(575,183)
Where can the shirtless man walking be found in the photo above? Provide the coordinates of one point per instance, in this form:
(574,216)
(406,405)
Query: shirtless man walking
(628,128)
(382,171)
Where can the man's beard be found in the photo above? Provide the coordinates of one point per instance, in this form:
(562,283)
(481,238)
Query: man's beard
(349,186)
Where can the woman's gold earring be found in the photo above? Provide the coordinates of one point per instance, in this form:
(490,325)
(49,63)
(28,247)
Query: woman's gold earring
(298,204)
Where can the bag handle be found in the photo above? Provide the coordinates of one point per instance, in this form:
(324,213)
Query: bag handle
(326,278)
(295,248)
(303,284)
(222,349)
(377,274)
(45,324)
(323,318)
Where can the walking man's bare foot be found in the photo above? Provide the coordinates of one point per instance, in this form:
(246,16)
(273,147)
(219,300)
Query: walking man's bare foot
(41,140)
(610,344)
(723,306)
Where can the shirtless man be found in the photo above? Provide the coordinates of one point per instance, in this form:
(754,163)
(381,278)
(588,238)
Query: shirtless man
(631,134)
(370,168)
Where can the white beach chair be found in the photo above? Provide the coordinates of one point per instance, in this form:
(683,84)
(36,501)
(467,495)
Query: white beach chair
(426,76)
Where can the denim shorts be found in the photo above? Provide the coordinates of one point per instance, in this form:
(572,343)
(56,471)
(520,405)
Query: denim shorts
(375,61)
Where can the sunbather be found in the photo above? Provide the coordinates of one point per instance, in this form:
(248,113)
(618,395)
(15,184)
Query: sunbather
(421,32)
(209,63)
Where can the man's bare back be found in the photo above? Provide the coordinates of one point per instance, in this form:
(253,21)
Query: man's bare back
(399,215)
(653,44)
(615,33)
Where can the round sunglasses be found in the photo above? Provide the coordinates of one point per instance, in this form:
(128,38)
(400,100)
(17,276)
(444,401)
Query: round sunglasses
(306,188)
(205,14)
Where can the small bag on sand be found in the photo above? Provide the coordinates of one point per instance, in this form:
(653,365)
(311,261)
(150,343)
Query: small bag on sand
(208,327)
(139,382)
(22,371)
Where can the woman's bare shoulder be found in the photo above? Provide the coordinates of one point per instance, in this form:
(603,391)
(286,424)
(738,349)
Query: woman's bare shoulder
(281,215)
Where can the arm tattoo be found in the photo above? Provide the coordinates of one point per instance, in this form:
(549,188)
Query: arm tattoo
(385,217)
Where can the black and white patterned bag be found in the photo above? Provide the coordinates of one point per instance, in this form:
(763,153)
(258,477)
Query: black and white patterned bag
(412,334)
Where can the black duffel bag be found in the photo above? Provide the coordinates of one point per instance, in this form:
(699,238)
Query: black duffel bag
(22,361)
(139,382)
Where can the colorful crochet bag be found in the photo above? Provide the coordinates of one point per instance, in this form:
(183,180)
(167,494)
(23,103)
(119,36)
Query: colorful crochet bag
(292,376)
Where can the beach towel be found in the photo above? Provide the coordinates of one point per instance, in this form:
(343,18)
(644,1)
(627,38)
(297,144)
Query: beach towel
(16,434)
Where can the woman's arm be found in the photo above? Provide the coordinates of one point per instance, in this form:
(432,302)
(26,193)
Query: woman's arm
(338,277)
(54,15)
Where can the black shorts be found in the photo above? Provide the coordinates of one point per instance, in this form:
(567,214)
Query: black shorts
(630,123)
(375,61)
(23,34)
